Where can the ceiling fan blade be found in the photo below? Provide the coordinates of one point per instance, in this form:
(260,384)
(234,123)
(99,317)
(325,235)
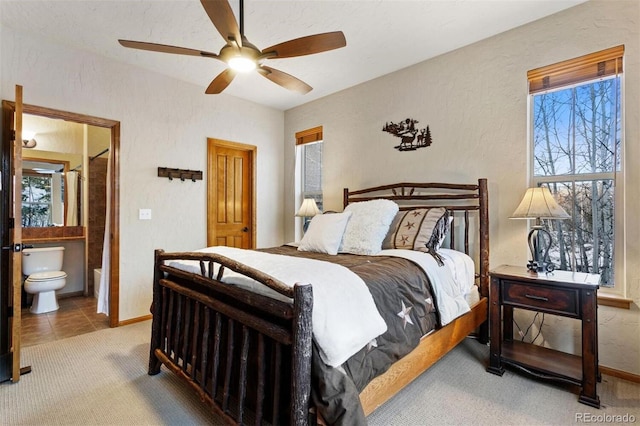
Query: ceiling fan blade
(307,45)
(223,19)
(285,80)
(220,82)
(154,47)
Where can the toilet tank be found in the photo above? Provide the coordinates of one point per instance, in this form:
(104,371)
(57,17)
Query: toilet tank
(42,259)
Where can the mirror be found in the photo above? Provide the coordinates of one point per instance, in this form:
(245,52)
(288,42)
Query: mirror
(55,157)
(49,193)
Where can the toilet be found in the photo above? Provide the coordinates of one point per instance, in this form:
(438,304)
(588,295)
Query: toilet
(44,276)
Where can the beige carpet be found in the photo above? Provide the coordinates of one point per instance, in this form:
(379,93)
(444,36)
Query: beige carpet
(104,381)
(463,393)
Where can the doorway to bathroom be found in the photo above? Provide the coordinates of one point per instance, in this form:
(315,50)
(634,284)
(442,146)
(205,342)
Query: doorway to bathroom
(79,235)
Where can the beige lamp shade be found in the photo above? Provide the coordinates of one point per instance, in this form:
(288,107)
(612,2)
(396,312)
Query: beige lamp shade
(309,208)
(538,203)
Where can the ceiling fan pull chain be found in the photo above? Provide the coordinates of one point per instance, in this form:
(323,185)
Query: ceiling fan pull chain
(242,18)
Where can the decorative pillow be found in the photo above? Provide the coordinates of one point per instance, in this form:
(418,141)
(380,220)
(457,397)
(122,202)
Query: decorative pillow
(325,233)
(368,226)
(418,229)
(443,237)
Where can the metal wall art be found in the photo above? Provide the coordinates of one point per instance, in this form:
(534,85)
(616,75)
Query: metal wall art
(411,138)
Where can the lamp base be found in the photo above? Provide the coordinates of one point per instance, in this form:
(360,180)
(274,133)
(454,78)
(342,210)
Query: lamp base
(539,243)
(544,266)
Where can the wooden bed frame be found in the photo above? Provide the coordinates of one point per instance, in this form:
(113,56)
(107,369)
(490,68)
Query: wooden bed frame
(249,356)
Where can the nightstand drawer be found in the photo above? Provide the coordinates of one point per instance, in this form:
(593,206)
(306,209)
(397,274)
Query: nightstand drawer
(555,300)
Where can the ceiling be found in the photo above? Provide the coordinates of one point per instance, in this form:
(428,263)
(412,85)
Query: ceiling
(383,36)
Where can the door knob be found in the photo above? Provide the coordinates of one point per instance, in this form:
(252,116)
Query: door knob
(245,229)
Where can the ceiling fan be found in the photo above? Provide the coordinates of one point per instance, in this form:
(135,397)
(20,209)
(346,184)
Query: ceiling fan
(242,56)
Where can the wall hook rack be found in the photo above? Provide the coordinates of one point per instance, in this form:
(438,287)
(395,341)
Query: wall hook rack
(181,174)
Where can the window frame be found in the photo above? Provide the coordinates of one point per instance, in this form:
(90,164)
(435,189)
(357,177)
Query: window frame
(565,75)
(304,139)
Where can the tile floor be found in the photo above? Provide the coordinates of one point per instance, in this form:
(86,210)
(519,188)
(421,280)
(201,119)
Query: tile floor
(77,315)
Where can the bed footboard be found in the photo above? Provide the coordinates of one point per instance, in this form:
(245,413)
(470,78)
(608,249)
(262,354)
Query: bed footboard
(218,338)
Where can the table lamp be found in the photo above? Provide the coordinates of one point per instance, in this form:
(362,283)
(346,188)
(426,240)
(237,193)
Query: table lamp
(309,208)
(538,203)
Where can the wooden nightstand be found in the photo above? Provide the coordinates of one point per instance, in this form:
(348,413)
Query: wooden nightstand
(563,293)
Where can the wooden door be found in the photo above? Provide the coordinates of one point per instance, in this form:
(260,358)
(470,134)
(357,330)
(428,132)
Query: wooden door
(12,237)
(16,253)
(6,267)
(231,194)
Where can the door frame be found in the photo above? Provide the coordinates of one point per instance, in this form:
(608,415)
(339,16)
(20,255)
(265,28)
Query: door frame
(252,150)
(114,214)
(11,260)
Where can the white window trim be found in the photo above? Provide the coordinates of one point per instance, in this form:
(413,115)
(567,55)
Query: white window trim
(299,185)
(620,289)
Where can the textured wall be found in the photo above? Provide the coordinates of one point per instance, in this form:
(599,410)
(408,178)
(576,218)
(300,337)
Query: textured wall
(475,103)
(164,122)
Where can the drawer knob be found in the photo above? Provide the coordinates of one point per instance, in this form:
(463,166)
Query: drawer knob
(530,296)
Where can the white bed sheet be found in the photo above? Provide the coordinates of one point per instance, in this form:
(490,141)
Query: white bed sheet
(450,282)
(462,268)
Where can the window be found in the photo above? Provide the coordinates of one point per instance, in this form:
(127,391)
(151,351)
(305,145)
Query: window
(309,146)
(576,125)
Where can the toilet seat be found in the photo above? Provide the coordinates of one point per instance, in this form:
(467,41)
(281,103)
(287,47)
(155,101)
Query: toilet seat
(46,276)
(43,285)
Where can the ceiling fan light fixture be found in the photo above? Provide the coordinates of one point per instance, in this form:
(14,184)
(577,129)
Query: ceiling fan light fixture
(242,64)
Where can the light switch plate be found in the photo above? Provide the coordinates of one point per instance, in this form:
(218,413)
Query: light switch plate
(144,214)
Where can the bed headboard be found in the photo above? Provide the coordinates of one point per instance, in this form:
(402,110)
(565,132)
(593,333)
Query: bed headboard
(464,201)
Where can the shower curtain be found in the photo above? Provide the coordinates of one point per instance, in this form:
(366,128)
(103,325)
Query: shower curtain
(105,276)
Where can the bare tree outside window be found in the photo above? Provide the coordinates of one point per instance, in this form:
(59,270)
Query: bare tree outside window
(36,201)
(576,153)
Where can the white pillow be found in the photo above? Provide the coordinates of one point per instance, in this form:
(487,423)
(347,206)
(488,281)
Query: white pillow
(368,226)
(325,233)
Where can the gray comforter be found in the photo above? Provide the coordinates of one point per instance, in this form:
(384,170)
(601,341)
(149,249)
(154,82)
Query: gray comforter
(403,296)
